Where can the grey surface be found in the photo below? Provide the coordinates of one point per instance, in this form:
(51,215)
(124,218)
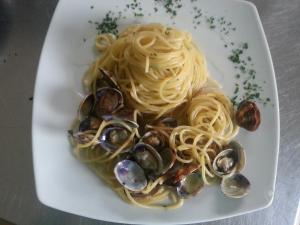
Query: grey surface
(23,26)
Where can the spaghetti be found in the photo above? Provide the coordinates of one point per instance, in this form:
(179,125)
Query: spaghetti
(161,72)
(157,68)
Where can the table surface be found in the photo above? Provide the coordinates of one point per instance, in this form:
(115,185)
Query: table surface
(23,26)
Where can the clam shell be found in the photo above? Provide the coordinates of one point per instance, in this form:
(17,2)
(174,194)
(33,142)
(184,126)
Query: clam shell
(235,186)
(230,160)
(108,101)
(148,158)
(190,185)
(86,106)
(130,175)
(113,137)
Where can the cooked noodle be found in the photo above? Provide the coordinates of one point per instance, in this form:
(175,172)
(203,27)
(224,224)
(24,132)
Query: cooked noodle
(157,68)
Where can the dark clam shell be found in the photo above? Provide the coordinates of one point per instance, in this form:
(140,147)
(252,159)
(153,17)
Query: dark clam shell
(89,123)
(81,137)
(161,144)
(108,101)
(168,156)
(86,106)
(106,80)
(113,137)
(248,115)
(148,158)
(190,185)
(168,122)
(155,139)
(122,117)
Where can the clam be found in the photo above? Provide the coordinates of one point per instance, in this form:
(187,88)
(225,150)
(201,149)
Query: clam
(230,160)
(81,137)
(240,152)
(155,139)
(125,114)
(168,122)
(148,158)
(160,143)
(190,185)
(235,186)
(248,115)
(114,136)
(121,117)
(130,175)
(86,106)
(107,80)
(168,156)
(108,101)
(89,123)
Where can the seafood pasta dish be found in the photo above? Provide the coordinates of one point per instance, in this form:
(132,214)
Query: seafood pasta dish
(154,125)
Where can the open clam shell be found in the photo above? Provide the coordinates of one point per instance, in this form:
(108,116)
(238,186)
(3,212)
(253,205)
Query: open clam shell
(107,80)
(130,175)
(155,139)
(235,186)
(114,136)
(240,152)
(86,106)
(190,185)
(89,123)
(168,156)
(168,122)
(148,158)
(81,137)
(160,143)
(230,160)
(121,119)
(108,101)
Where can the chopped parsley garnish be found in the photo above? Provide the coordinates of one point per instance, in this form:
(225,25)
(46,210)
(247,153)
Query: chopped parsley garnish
(247,89)
(245,46)
(170,6)
(138,14)
(242,69)
(210,22)
(109,24)
(235,56)
(236,90)
(136,8)
(233,100)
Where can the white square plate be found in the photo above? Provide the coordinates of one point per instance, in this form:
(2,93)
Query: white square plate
(64,183)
